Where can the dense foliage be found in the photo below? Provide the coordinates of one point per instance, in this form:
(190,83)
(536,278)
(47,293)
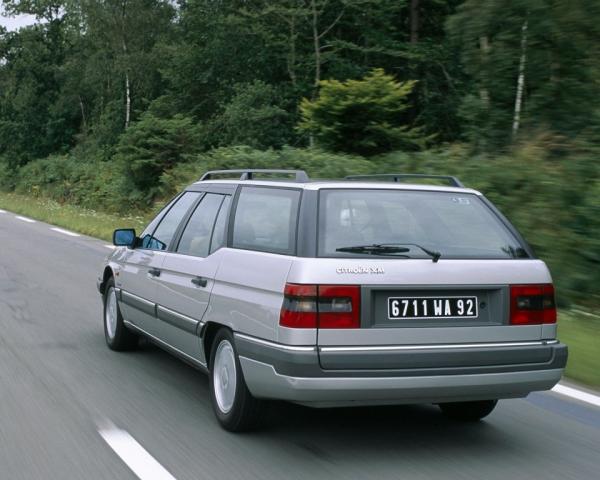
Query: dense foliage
(361,116)
(114,104)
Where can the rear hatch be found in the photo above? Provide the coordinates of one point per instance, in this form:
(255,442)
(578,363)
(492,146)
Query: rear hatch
(417,310)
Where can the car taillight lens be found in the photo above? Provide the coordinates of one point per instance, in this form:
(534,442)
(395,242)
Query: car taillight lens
(299,309)
(339,306)
(532,304)
(320,306)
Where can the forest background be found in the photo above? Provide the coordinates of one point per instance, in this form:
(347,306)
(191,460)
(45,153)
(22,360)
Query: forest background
(108,107)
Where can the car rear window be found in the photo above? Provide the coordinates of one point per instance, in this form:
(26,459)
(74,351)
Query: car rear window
(265,220)
(457,225)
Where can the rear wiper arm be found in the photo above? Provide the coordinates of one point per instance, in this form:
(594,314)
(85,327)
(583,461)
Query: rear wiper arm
(389,248)
(374,249)
(435,256)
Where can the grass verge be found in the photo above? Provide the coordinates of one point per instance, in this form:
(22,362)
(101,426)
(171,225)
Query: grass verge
(89,222)
(581,332)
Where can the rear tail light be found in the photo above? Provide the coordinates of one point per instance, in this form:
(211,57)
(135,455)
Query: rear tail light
(339,306)
(532,304)
(320,306)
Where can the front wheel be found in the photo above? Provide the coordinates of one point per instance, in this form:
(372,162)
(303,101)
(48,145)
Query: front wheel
(117,336)
(234,406)
(468,411)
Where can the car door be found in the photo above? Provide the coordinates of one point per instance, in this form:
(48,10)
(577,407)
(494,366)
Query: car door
(140,267)
(188,273)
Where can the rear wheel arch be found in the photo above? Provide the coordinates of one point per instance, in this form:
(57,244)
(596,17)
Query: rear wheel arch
(208,336)
(234,406)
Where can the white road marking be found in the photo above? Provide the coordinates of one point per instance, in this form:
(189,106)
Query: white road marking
(2,211)
(133,454)
(577,394)
(112,247)
(25,219)
(65,232)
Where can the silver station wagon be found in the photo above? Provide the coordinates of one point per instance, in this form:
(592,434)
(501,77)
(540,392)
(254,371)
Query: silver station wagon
(366,291)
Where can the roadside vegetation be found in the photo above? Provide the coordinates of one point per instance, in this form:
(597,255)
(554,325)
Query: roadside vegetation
(581,332)
(109,108)
(82,220)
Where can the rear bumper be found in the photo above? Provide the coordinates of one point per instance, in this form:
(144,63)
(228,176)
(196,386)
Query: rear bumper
(295,374)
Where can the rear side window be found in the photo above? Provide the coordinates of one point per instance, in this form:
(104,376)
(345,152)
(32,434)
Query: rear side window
(196,236)
(218,238)
(458,225)
(163,234)
(265,220)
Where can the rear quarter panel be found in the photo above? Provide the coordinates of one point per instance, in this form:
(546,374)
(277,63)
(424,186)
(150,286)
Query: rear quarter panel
(248,294)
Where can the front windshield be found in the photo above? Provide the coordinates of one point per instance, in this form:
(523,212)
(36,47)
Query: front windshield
(457,225)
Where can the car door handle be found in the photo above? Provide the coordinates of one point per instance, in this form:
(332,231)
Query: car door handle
(155,272)
(200,281)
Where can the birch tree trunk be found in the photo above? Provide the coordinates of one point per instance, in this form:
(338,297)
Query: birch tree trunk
(520,81)
(125,53)
(127,101)
(292,55)
(484,46)
(316,42)
(83,118)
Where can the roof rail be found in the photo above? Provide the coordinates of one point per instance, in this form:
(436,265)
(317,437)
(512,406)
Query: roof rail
(248,174)
(396,177)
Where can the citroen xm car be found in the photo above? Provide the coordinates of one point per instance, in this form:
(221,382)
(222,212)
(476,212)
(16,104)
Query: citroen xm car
(372,290)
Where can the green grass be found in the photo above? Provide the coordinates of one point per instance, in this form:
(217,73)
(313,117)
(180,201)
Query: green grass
(581,332)
(89,222)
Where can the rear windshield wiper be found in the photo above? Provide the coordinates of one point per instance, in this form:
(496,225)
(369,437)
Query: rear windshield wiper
(389,248)
(435,255)
(375,249)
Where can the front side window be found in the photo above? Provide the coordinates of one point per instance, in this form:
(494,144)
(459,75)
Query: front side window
(195,239)
(457,225)
(265,220)
(162,235)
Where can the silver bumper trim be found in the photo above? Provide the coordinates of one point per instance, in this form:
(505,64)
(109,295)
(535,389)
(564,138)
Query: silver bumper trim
(390,348)
(449,346)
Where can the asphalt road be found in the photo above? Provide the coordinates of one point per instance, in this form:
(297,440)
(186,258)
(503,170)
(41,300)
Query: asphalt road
(58,382)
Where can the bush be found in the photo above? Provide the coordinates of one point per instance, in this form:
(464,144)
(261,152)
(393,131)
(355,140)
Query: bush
(550,191)
(152,146)
(317,163)
(67,179)
(365,117)
(8,175)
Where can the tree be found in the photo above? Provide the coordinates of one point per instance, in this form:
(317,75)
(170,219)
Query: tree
(123,34)
(362,116)
(154,145)
(252,117)
(531,65)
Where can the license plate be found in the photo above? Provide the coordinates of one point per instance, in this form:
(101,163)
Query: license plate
(431,307)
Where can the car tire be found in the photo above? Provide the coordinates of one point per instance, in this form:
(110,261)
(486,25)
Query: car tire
(118,336)
(234,406)
(468,411)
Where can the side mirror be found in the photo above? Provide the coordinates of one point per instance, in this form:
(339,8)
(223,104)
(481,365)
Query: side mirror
(124,237)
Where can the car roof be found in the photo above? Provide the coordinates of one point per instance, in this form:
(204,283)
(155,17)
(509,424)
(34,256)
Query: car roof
(339,184)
